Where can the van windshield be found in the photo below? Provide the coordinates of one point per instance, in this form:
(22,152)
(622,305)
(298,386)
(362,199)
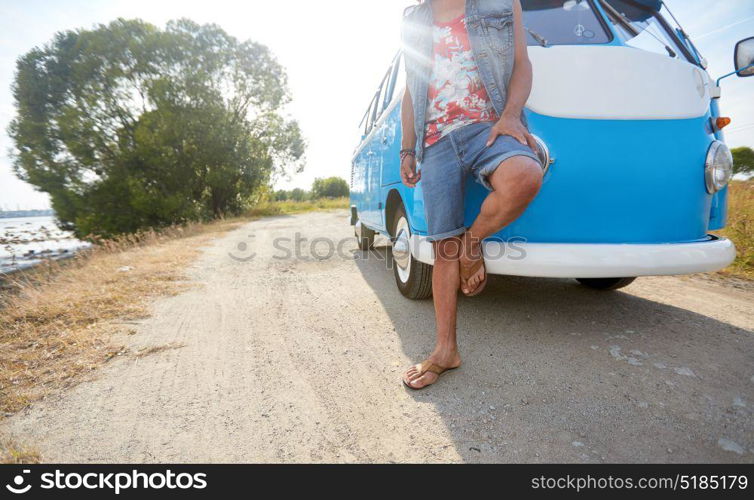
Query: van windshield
(642,27)
(562,22)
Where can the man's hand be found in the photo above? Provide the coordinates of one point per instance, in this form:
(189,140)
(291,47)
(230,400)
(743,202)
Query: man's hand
(409,175)
(512,126)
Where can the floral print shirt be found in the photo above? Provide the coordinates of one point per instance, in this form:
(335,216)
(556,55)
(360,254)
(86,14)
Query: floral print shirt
(456,96)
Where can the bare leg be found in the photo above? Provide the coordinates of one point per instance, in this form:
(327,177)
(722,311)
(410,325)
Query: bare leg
(515,183)
(445,282)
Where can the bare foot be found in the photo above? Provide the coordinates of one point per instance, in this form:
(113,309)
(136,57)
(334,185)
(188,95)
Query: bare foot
(472,252)
(415,379)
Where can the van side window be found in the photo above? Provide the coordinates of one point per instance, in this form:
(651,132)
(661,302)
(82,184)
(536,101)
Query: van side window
(387,89)
(396,76)
(380,96)
(376,108)
(400,76)
(368,120)
(393,79)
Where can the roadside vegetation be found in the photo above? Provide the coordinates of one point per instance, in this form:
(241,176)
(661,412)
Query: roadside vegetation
(743,160)
(12,453)
(326,194)
(740,228)
(330,187)
(268,208)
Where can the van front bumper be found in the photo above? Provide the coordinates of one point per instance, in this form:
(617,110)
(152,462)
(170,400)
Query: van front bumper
(586,260)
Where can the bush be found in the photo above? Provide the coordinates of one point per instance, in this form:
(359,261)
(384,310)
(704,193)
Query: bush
(331,187)
(743,160)
(299,194)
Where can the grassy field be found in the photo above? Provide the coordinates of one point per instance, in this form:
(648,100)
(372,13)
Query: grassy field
(292,207)
(740,228)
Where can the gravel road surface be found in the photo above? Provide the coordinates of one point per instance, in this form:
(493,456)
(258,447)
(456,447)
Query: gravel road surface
(298,359)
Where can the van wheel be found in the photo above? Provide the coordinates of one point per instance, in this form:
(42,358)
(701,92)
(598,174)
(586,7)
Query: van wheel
(364,236)
(414,278)
(605,283)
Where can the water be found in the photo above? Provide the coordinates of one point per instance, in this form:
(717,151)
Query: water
(27,241)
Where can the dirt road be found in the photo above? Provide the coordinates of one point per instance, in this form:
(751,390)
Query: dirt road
(299,359)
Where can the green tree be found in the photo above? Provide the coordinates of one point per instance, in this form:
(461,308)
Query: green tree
(331,187)
(743,160)
(298,194)
(280,195)
(129,126)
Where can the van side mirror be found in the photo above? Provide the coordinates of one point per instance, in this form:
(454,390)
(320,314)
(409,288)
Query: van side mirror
(743,57)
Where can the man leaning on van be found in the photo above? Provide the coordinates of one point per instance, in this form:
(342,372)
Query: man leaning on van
(468,79)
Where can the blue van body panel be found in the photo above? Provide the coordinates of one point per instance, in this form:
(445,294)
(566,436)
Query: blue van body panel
(719,211)
(366,180)
(613,181)
(616,181)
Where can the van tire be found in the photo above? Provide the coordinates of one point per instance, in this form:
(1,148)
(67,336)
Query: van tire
(364,236)
(605,283)
(413,278)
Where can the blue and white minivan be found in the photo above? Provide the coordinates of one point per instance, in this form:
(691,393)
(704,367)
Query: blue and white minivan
(627,122)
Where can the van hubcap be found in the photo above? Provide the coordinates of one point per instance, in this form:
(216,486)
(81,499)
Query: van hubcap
(401,249)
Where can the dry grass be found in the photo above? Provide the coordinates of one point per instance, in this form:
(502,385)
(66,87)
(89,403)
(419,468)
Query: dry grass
(290,207)
(58,319)
(740,229)
(147,351)
(12,453)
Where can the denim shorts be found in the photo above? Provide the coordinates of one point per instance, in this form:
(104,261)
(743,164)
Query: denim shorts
(446,165)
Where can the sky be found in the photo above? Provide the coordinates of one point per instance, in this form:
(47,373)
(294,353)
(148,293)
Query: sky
(335,53)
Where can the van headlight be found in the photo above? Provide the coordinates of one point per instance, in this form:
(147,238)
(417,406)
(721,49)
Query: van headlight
(718,167)
(543,153)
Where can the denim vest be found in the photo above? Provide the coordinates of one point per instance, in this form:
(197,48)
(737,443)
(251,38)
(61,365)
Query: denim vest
(490,27)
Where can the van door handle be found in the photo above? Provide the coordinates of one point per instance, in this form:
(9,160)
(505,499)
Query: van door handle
(384,140)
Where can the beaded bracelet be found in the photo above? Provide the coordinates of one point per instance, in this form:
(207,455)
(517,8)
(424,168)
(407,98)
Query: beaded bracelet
(407,152)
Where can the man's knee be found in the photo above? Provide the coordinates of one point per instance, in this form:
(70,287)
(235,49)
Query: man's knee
(530,178)
(448,249)
(518,179)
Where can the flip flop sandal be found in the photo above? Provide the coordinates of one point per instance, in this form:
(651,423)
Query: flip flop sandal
(468,271)
(428,366)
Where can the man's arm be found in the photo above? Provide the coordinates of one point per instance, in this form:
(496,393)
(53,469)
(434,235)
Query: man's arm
(409,175)
(408,134)
(518,89)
